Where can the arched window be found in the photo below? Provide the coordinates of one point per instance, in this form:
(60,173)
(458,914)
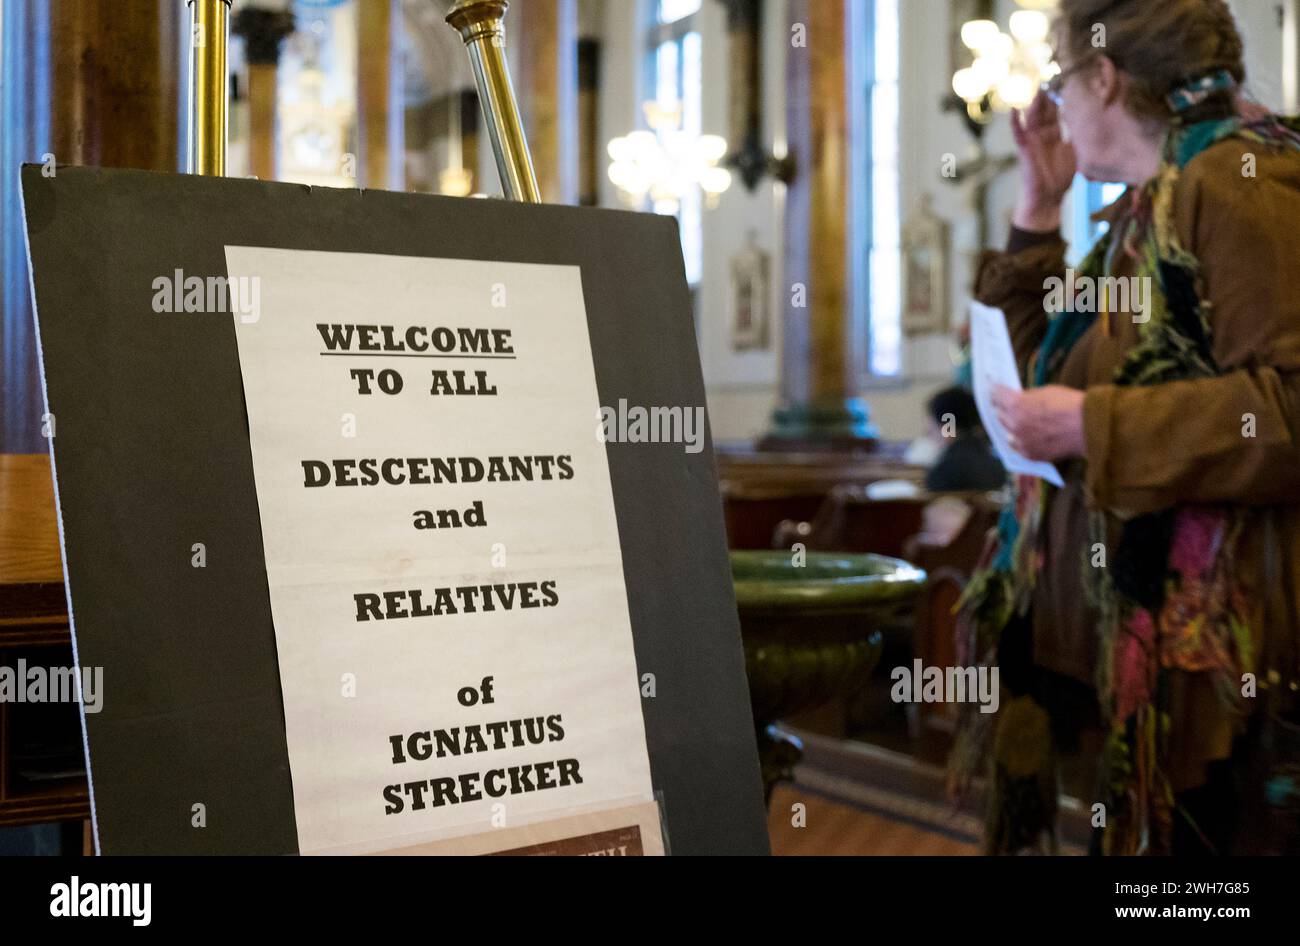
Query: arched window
(882,290)
(673,79)
(673,54)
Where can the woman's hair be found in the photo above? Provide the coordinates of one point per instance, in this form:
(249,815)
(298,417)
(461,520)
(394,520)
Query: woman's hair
(1159,44)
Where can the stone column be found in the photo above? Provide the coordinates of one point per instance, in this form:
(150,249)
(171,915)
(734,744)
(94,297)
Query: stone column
(818,377)
(263,30)
(543,36)
(88,83)
(380,109)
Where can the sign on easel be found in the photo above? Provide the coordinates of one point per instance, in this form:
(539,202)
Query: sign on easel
(343,527)
(446,410)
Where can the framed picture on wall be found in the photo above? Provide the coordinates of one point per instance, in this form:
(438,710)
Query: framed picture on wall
(925,271)
(749,298)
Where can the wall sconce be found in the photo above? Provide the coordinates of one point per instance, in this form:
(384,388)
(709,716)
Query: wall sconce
(662,164)
(1008,68)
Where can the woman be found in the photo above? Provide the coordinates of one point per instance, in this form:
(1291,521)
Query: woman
(1150,606)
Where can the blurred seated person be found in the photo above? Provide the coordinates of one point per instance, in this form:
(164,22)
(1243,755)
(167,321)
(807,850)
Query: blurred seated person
(966,461)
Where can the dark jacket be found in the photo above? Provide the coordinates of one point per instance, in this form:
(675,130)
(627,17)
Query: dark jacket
(967,464)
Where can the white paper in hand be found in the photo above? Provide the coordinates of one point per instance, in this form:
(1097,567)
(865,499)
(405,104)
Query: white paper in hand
(993,364)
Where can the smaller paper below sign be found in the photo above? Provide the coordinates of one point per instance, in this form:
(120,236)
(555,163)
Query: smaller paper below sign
(994,363)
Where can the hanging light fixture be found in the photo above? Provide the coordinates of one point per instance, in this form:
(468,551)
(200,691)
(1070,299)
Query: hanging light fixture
(660,165)
(1008,68)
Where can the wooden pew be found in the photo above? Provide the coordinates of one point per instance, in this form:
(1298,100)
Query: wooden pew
(850,520)
(761,489)
(34,626)
(948,568)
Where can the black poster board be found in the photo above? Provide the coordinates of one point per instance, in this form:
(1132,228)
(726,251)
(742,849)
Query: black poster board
(152,455)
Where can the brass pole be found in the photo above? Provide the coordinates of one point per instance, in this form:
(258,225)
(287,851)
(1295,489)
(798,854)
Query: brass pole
(209,96)
(481,26)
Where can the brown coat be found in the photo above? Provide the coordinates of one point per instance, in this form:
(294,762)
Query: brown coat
(1149,448)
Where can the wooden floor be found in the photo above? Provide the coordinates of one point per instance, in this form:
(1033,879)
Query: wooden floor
(836,828)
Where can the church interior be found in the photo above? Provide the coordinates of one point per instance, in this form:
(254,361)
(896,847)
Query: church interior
(837,170)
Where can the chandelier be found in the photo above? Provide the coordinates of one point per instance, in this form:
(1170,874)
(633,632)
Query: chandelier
(1008,67)
(663,164)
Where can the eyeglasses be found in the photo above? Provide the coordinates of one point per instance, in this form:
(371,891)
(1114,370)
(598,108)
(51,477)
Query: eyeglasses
(1055,86)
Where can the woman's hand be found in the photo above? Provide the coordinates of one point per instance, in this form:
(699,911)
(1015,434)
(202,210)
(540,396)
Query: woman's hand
(1047,165)
(1042,423)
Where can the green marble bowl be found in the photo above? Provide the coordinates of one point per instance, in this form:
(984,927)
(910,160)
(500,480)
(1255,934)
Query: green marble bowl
(812,632)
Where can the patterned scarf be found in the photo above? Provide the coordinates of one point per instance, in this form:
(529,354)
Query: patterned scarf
(1169,600)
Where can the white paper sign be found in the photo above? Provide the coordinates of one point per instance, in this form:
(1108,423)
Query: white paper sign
(444,565)
(993,364)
